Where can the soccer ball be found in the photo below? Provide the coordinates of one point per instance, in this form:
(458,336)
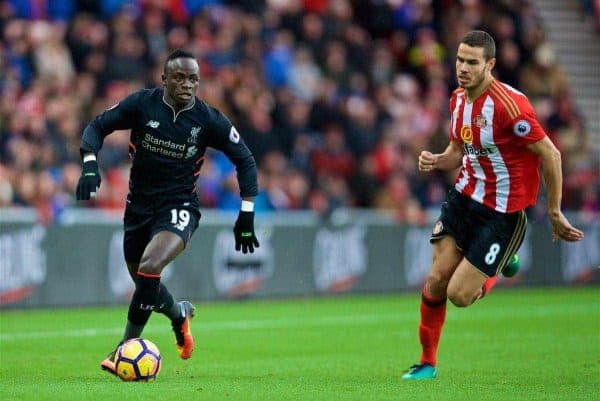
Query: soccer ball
(137,360)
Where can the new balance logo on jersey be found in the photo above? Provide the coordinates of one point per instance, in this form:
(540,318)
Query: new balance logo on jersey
(153,124)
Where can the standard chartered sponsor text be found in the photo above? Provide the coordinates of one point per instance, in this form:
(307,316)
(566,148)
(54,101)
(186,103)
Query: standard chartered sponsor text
(163,147)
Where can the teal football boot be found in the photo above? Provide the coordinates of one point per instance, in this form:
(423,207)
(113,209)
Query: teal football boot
(420,371)
(512,267)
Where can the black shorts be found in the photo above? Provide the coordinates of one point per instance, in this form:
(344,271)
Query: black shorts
(488,239)
(141,223)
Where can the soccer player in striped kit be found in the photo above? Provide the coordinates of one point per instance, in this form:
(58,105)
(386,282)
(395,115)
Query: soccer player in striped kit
(498,144)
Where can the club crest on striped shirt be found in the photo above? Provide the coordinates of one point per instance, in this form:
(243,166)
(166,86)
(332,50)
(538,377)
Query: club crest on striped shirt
(480,121)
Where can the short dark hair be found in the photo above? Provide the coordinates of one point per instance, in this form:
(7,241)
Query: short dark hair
(481,39)
(178,54)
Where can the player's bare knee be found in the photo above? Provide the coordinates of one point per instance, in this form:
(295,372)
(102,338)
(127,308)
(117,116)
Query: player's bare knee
(436,284)
(150,266)
(460,299)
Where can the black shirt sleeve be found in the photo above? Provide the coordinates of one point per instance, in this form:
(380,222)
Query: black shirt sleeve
(224,137)
(123,115)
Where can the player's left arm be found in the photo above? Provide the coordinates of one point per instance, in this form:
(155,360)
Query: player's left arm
(225,138)
(529,133)
(552,173)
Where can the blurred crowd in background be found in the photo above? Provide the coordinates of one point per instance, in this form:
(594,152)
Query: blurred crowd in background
(336,98)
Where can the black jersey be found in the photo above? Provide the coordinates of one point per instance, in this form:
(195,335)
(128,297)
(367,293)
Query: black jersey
(167,147)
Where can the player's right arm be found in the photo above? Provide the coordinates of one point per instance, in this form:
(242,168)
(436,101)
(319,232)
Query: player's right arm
(450,159)
(120,116)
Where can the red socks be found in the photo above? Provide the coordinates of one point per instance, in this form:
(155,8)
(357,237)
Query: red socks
(488,285)
(433,314)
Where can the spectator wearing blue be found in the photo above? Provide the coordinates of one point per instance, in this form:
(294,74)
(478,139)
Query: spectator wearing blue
(56,10)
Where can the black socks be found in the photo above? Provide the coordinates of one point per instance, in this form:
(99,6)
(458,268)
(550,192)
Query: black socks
(145,298)
(150,295)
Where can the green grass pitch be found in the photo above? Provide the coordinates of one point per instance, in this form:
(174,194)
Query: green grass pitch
(541,344)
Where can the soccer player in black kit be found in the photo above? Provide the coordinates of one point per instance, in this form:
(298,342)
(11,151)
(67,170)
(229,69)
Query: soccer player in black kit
(170,131)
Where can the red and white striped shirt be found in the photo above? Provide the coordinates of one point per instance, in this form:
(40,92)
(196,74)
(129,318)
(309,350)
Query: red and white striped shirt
(497,169)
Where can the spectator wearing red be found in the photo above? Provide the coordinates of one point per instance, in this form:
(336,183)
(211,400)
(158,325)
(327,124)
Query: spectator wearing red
(333,157)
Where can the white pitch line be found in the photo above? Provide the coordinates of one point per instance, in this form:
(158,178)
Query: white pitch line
(491,312)
(207,326)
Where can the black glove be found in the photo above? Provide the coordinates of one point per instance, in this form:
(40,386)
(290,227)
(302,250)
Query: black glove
(243,230)
(89,182)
